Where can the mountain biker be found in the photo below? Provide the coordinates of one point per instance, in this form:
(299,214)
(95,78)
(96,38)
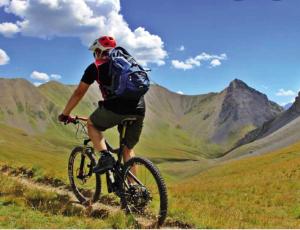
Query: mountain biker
(111,111)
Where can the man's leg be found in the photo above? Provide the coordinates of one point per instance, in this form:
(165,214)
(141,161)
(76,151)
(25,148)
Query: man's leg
(105,161)
(96,137)
(127,155)
(131,139)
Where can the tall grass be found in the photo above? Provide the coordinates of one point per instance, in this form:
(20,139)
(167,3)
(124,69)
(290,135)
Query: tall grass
(23,206)
(257,192)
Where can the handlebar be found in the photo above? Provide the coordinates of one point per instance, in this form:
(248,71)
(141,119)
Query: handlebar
(76,119)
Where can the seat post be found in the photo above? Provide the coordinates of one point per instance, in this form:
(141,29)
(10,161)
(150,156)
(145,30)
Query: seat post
(122,137)
(123,132)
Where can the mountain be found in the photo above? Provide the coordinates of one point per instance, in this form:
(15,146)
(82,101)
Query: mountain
(59,94)
(211,122)
(287,106)
(274,124)
(23,106)
(242,107)
(186,126)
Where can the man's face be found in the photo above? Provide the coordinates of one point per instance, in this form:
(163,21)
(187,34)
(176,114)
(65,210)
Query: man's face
(100,55)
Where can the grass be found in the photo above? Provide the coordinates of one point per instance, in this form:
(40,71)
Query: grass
(20,149)
(254,192)
(257,192)
(26,207)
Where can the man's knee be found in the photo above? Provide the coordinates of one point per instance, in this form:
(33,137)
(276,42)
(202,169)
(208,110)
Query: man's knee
(128,152)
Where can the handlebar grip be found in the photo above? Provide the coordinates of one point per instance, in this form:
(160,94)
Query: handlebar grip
(72,120)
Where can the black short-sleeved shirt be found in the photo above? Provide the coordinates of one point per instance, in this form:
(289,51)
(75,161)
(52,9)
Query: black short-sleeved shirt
(116,105)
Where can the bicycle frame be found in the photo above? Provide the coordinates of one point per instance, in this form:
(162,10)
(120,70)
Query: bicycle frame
(119,151)
(122,179)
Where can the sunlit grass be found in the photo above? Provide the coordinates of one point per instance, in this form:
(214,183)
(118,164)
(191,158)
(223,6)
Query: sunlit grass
(23,206)
(260,192)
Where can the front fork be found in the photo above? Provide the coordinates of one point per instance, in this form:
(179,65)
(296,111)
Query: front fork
(81,171)
(81,175)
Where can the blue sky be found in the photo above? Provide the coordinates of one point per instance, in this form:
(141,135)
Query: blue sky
(192,46)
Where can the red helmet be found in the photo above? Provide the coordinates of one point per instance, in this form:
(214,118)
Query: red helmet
(103,43)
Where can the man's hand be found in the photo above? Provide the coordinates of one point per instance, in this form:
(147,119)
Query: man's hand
(64,118)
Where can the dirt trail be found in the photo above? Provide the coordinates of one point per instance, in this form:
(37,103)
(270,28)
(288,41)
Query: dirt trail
(24,177)
(102,209)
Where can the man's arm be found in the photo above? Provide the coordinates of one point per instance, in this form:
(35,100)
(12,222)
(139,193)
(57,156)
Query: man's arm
(76,97)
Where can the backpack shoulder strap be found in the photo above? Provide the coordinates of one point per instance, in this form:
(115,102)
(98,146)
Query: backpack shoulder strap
(97,79)
(101,86)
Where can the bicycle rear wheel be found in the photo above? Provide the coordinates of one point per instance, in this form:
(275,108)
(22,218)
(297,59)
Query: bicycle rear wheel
(145,194)
(85,184)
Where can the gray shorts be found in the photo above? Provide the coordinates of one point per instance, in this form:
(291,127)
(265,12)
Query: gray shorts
(104,119)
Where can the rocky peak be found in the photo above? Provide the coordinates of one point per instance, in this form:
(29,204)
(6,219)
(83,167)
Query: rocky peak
(237,87)
(243,105)
(237,84)
(296,105)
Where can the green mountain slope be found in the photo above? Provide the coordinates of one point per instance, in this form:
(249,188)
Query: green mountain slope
(23,106)
(176,126)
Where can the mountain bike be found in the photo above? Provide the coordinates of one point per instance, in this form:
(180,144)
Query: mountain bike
(137,183)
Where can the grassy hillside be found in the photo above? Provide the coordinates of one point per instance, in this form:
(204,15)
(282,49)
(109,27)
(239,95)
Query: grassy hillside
(49,154)
(286,135)
(255,192)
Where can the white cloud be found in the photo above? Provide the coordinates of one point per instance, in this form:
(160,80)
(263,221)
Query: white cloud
(4,58)
(37,83)
(181,48)
(3,2)
(9,29)
(87,20)
(39,76)
(181,65)
(215,63)
(17,7)
(55,76)
(190,63)
(44,76)
(284,93)
(180,92)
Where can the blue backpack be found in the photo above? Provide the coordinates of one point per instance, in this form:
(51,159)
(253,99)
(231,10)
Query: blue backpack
(129,79)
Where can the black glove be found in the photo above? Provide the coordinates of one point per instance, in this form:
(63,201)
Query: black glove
(64,118)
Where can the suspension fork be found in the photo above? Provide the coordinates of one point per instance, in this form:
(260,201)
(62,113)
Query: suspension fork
(82,162)
(81,172)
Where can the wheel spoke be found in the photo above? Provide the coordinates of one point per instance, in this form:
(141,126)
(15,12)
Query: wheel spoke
(145,198)
(83,182)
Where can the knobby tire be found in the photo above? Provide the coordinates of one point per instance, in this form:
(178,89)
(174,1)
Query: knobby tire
(160,184)
(91,160)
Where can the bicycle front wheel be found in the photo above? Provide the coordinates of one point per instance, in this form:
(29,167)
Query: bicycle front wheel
(145,194)
(85,184)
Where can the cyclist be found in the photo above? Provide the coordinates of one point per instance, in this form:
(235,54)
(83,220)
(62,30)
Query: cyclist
(111,111)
